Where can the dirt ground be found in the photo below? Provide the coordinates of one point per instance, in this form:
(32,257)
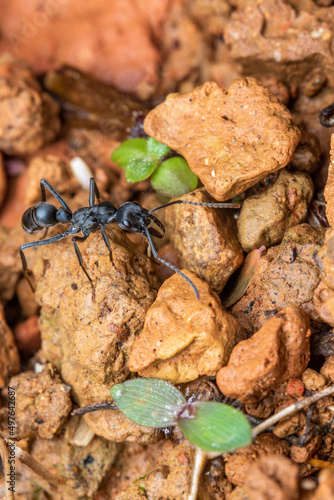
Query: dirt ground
(244,92)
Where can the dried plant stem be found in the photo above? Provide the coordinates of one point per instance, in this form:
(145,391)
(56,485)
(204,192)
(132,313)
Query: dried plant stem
(299,405)
(200,459)
(39,469)
(105,405)
(6,468)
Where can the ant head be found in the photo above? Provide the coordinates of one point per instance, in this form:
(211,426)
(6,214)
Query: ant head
(132,217)
(64,216)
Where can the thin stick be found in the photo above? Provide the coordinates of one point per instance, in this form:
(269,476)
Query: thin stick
(200,459)
(33,464)
(299,405)
(105,405)
(6,467)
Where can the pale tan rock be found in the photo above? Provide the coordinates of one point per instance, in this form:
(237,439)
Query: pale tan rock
(29,116)
(272,477)
(239,463)
(184,49)
(265,217)
(9,357)
(327,370)
(231,138)
(278,351)
(56,171)
(83,466)
(10,262)
(183,337)
(313,380)
(89,341)
(171,479)
(43,404)
(329,188)
(205,239)
(324,293)
(286,276)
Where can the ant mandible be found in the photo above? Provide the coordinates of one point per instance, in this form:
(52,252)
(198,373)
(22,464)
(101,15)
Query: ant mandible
(130,217)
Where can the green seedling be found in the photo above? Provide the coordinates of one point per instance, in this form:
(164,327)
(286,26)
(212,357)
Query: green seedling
(210,426)
(142,158)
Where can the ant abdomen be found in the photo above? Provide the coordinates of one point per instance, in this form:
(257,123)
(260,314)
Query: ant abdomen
(38,217)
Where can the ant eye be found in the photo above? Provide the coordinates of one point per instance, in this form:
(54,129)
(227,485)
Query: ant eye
(127,223)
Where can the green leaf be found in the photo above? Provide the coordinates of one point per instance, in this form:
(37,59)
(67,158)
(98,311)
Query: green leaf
(139,169)
(130,150)
(174,178)
(148,401)
(216,427)
(156,149)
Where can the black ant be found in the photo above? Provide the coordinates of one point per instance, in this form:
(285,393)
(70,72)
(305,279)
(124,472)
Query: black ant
(130,216)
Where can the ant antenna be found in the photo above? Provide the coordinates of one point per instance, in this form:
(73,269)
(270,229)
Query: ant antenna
(168,264)
(211,205)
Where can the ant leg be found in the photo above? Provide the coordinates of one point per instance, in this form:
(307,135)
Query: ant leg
(211,205)
(79,256)
(168,264)
(93,192)
(107,242)
(54,239)
(45,232)
(47,185)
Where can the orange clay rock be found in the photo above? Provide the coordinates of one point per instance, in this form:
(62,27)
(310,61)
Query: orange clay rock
(205,239)
(84,466)
(27,335)
(326,485)
(231,138)
(272,478)
(286,276)
(9,357)
(272,37)
(43,404)
(80,34)
(170,479)
(89,341)
(264,218)
(29,117)
(183,337)
(183,47)
(239,463)
(3,180)
(329,188)
(56,171)
(278,351)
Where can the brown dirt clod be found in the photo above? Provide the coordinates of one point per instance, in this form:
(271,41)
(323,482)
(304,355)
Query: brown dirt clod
(183,337)
(43,404)
(205,239)
(264,218)
(278,351)
(231,138)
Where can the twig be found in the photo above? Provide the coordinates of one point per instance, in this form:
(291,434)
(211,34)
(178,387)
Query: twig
(105,405)
(200,459)
(6,467)
(33,464)
(292,409)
